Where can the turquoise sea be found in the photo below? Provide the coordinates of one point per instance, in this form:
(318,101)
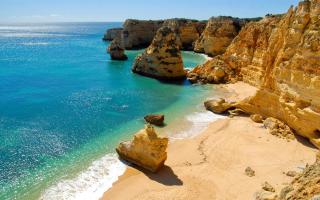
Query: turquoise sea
(64,105)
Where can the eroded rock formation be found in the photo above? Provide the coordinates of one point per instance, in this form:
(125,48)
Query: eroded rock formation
(116,50)
(218,34)
(162,59)
(146,150)
(157,120)
(112,34)
(218,106)
(187,30)
(305,186)
(139,34)
(280,55)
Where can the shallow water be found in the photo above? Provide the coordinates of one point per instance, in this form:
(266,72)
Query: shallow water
(64,105)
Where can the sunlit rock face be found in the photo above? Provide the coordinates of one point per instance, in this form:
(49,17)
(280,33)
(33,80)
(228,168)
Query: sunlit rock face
(281,56)
(139,34)
(147,149)
(112,33)
(187,30)
(116,50)
(218,34)
(162,59)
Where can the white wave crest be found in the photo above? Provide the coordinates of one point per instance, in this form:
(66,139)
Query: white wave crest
(35,43)
(199,122)
(90,184)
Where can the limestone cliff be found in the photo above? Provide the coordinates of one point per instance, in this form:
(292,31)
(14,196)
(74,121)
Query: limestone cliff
(281,56)
(187,30)
(116,50)
(162,59)
(218,34)
(147,149)
(112,34)
(138,34)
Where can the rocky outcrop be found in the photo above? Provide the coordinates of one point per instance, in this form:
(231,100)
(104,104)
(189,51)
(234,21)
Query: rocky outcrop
(218,34)
(139,34)
(116,50)
(280,55)
(256,118)
(187,30)
(162,59)
(157,120)
(278,128)
(112,34)
(218,106)
(146,150)
(305,186)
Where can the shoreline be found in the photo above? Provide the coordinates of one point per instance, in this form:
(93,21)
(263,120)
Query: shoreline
(187,173)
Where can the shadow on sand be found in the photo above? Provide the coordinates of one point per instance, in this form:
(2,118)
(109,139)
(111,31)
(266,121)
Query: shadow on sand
(165,176)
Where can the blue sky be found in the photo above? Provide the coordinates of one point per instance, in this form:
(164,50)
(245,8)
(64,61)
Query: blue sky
(118,10)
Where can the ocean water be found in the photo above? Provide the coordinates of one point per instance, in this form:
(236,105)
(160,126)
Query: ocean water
(64,106)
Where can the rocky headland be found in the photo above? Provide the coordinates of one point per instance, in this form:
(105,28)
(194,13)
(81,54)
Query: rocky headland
(280,56)
(112,34)
(138,34)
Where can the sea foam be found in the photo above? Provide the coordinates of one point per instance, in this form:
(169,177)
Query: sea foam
(199,122)
(90,184)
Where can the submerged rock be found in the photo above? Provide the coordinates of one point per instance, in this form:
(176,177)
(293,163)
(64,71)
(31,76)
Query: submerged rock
(146,150)
(218,106)
(116,50)
(155,119)
(162,59)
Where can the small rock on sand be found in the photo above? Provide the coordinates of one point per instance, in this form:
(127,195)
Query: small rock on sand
(267,187)
(250,172)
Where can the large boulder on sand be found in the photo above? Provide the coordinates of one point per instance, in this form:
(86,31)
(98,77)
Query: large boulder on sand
(218,106)
(146,150)
(162,59)
(155,119)
(116,50)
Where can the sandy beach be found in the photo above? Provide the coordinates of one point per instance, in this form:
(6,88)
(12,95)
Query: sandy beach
(212,165)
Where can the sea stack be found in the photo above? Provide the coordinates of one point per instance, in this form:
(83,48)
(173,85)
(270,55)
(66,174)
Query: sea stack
(147,149)
(116,50)
(162,59)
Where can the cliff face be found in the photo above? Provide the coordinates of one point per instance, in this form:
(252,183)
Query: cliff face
(162,59)
(187,30)
(218,34)
(139,33)
(116,50)
(281,56)
(112,34)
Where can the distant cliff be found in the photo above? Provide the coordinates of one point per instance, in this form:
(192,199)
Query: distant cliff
(218,34)
(139,34)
